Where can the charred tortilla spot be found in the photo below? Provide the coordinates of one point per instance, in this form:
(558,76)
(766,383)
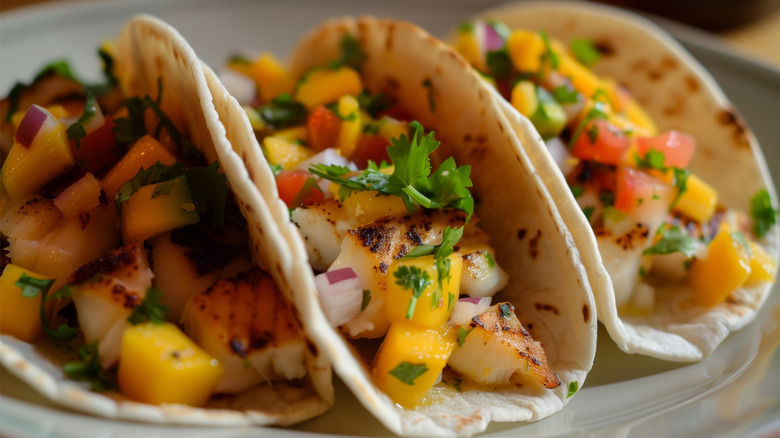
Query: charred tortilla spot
(669,63)
(692,83)
(390,37)
(521,233)
(729,118)
(533,244)
(547,308)
(586,313)
(312,347)
(604,47)
(466,138)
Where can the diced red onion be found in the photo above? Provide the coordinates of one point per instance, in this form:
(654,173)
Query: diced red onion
(467,308)
(493,41)
(341,295)
(31,125)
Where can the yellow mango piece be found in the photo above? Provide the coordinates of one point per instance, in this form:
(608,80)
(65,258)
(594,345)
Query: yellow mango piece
(143,154)
(351,126)
(19,315)
(148,213)
(27,169)
(392,128)
(523,98)
(271,77)
(725,268)
(241,65)
(468,46)
(698,202)
(369,206)
(285,151)
(160,364)
(762,265)
(525,50)
(432,308)
(323,86)
(582,78)
(410,360)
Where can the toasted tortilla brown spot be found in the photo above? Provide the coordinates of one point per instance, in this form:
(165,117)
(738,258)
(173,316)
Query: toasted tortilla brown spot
(692,84)
(521,233)
(586,313)
(729,118)
(546,308)
(605,47)
(533,244)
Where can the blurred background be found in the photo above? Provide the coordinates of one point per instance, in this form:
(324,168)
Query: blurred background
(751,27)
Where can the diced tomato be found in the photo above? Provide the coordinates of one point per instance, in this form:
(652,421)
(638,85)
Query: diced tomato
(294,189)
(98,150)
(640,193)
(608,146)
(371,147)
(676,146)
(324,128)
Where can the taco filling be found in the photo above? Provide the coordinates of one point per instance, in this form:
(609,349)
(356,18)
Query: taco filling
(655,221)
(403,268)
(123,243)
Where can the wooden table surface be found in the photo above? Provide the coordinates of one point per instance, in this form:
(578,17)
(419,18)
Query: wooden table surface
(759,39)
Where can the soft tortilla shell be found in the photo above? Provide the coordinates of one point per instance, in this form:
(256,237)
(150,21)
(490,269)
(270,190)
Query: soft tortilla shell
(679,94)
(149,49)
(548,285)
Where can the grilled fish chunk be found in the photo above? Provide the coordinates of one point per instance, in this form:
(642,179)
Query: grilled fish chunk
(245,323)
(498,350)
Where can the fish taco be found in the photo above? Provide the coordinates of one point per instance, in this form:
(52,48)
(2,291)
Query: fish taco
(135,282)
(661,182)
(422,247)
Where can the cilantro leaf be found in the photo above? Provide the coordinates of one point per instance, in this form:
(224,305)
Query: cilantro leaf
(564,94)
(406,372)
(283,112)
(653,159)
(574,386)
(549,55)
(414,279)
(208,188)
(499,63)
(373,104)
(764,215)
(351,53)
(597,112)
(108,67)
(462,333)
(88,367)
(31,287)
(77,131)
(150,309)
(427,83)
(680,181)
(366,299)
(585,51)
(155,173)
(672,240)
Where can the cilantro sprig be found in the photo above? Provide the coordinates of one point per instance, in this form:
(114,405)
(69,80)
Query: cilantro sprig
(407,372)
(150,309)
(411,179)
(31,287)
(87,367)
(414,279)
(764,215)
(672,240)
(77,131)
(441,253)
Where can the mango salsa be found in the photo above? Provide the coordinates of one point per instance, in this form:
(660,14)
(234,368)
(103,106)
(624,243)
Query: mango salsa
(160,364)
(351,127)
(410,361)
(432,307)
(143,154)
(525,50)
(725,268)
(157,208)
(762,265)
(271,77)
(699,200)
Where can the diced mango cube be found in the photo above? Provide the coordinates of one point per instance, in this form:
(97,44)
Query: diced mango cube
(725,268)
(369,206)
(410,360)
(19,315)
(699,200)
(523,98)
(433,306)
(351,126)
(324,86)
(151,211)
(143,154)
(271,77)
(525,50)
(762,265)
(285,151)
(582,78)
(28,168)
(160,364)
(468,46)
(391,128)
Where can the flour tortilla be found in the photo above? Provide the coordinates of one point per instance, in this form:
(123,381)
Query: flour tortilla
(548,284)
(148,49)
(679,94)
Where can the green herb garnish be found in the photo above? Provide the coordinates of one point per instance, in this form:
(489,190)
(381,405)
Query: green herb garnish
(150,309)
(406,372)
(462,333)
(414,279)
(76,131)
(88,367)
(764,215)
(31,287)
(585,51)
(573,388)
(283,112)
(672,240)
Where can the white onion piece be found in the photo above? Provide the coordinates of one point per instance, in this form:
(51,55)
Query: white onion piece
(341,295)
(560,154)
(32,123)
(467,308)
(242,88)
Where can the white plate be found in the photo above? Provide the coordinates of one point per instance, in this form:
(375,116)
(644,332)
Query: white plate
(735,392)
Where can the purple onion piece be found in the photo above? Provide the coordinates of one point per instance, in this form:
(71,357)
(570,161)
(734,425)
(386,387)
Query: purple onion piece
(30,125)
